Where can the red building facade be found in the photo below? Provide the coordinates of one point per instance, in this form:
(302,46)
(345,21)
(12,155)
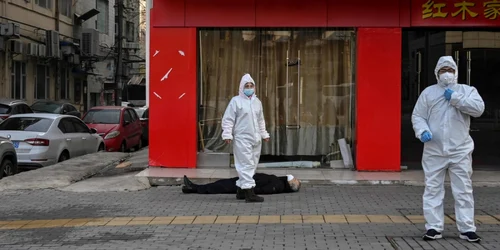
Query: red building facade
(174,62)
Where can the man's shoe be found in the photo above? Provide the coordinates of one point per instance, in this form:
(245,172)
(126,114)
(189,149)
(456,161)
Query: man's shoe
(470,237)
(187,182)
(250,196)
(188,187)
(188,190)
(240,195)
(432,235)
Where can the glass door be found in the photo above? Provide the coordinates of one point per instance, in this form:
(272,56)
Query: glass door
(482,73)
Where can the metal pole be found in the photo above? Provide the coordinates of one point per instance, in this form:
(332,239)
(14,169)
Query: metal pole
(119,61)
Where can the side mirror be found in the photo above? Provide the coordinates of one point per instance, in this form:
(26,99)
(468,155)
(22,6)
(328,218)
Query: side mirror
(126,123)
(64,111)
(93,131)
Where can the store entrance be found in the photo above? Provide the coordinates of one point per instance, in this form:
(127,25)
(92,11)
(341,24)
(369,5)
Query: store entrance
(304,78)
(477,55)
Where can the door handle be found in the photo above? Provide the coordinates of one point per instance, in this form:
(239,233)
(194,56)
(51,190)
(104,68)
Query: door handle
(84,138)
(68,139)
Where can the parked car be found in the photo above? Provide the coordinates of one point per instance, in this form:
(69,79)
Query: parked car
(119,126)
(143,113)
(55,107)
(10,107)
(8,160)
(44,139)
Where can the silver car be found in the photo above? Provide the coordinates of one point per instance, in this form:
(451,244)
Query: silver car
(44,139)
(8,160)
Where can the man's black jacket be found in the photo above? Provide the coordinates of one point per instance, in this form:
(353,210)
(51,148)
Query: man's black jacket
(264,184)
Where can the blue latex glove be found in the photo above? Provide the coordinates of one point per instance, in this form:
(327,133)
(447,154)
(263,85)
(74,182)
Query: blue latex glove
(425,137)
(447,94)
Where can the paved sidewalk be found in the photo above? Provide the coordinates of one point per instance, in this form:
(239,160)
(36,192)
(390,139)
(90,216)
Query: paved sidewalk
(318,217)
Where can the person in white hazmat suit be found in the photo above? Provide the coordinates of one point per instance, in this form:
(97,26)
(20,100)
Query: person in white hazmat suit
(243,124)
(441,120)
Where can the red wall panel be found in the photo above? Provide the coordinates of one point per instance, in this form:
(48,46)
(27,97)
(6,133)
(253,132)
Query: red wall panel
(378,99)
(363,13)
(220,13)
(404,13)
(168,13)
(173,129)
(290,13)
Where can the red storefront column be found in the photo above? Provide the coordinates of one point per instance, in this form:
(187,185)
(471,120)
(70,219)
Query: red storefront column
(173,129)
(378,95)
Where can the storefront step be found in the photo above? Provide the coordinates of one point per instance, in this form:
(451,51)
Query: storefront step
(174,176)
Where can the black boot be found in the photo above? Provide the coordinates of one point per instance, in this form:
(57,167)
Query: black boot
(240,195)
(188,187)
(250,196)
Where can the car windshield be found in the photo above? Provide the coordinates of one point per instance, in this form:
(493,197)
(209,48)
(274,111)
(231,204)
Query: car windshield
(33,124)
(103,116)
(4,109)
(140,112)
(46,107)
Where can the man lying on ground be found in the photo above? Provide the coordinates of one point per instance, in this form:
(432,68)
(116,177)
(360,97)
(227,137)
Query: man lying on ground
(265,184)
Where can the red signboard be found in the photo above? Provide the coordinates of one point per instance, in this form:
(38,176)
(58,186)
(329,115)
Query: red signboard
(455,13)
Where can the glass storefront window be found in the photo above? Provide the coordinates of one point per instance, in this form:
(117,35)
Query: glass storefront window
(304,78)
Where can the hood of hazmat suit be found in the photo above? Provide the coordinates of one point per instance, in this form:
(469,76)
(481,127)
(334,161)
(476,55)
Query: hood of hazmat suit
(243,123)
(451,146)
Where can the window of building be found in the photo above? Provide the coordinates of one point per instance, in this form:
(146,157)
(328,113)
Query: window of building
(78,91)
(130,31)
(102,22)
(44,3)
(64,89)
(42,82)
(321,61)
(65,7)
(18,80)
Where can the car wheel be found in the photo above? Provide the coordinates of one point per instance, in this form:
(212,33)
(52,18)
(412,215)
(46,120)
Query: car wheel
(7,168)
(101,148)
(123,147)
(64,156)
(139,146)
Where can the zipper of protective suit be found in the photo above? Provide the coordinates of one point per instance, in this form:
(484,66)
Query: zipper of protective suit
(253,120)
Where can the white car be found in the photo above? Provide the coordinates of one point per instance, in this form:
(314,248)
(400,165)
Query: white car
(44,139)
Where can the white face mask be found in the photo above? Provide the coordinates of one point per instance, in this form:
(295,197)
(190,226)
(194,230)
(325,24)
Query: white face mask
(447,78)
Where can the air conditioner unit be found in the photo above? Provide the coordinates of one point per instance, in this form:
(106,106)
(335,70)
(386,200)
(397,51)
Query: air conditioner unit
(32,49)
(74,59)
(68,50)
(10,30)
(52,42)
(132,45)
(90,42)
(42,50)
(16,47)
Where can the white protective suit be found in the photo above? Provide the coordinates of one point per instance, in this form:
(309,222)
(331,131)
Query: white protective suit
(244,124)
(449,149)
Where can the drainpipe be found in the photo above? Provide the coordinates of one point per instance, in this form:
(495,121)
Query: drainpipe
(58,77)
(6,52)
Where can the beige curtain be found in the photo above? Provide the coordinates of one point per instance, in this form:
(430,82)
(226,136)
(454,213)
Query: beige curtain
(304,79)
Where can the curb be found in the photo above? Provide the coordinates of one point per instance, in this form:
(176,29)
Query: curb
(65,173)
(177,181)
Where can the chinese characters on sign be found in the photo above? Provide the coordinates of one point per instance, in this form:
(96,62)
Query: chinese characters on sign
(464,10)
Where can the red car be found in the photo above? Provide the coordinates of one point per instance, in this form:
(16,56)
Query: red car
(119,126)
